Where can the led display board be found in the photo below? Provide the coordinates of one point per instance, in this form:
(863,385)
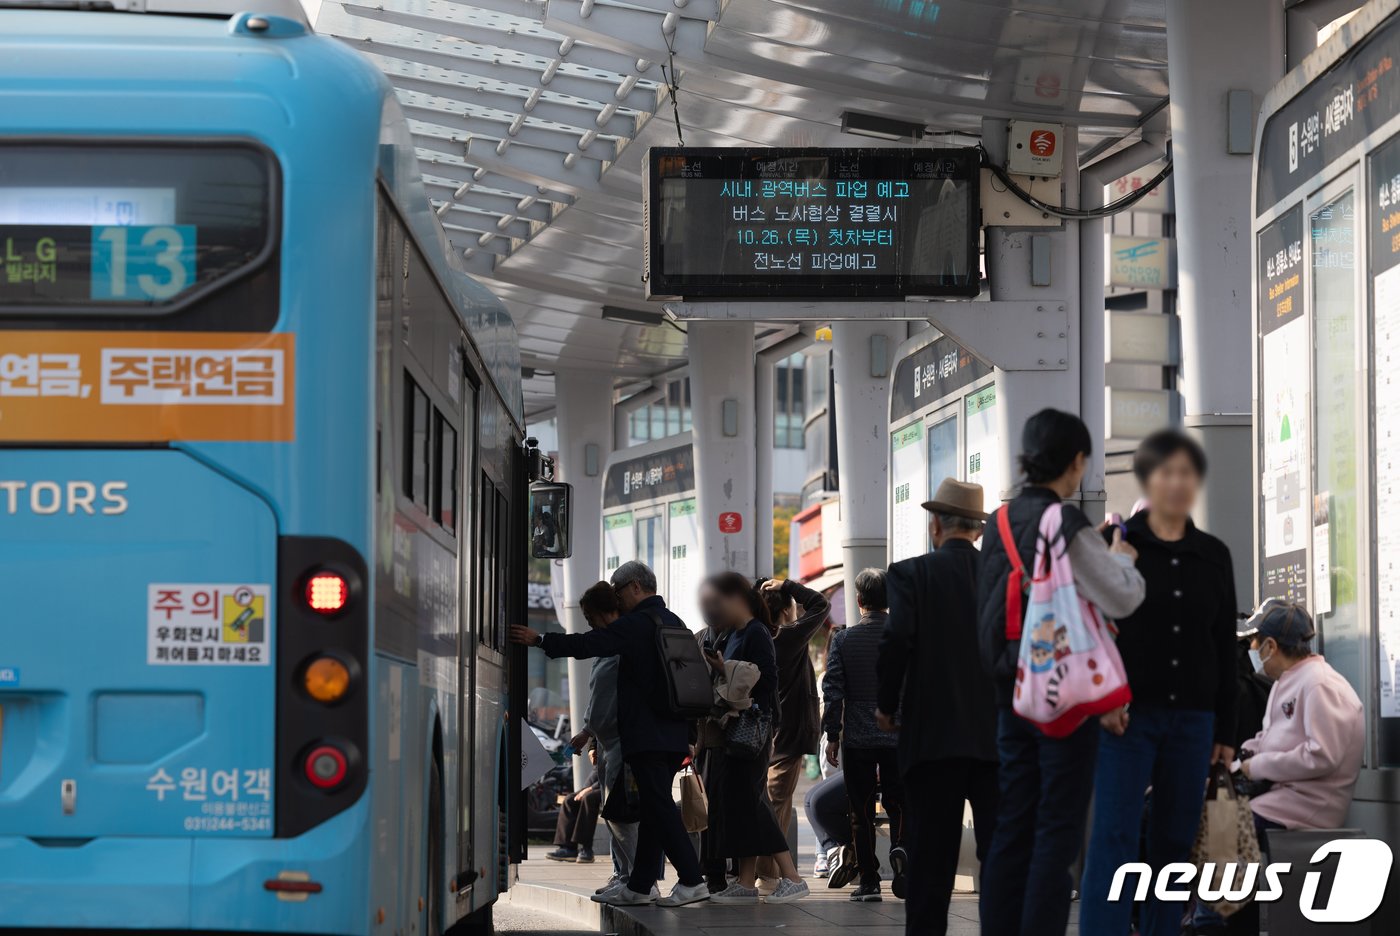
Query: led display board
(812,223)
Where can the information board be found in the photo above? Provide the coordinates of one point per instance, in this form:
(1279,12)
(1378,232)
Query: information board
(984,462)
(923,377)
(1384,240)
(648,477)
(909,471)
(1339,109)
(686,566)
(1285,353)
(812,223)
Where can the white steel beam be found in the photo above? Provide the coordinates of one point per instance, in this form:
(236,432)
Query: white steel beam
(536,166)
(491,202)
(589,56)
(468,89)
(403,48)
(563,142)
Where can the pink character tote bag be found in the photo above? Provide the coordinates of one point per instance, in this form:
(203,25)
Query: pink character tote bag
(1067,668)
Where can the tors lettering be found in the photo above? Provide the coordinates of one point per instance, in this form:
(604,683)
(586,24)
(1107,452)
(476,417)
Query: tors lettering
(48,498)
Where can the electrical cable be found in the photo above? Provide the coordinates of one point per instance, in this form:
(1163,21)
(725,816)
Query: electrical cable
(1075,214)
(673,84)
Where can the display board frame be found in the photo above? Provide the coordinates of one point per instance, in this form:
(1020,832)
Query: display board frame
(743,164)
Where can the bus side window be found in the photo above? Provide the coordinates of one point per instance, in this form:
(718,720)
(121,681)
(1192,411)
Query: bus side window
(486,577)
(417,443)
(502,568)
(445,493)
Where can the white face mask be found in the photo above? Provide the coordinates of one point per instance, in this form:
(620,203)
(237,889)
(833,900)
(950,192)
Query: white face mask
(1258,660)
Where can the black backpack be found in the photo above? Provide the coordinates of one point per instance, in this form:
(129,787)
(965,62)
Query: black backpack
(687,691)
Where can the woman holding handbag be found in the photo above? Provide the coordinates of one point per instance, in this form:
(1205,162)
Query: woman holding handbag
(1045,780)
(741,824)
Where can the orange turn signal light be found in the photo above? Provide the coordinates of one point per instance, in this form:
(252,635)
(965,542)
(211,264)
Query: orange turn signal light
(326,679)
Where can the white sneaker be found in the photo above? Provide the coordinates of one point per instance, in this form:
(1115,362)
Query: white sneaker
(788,891)
(681,895)
(611,884)
(624,896)
(820,867)
(736,894)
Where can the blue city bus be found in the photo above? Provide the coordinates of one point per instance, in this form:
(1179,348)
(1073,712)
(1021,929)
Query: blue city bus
(262,495)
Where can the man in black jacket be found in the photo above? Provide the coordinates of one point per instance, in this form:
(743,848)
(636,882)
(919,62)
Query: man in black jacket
(930,672)
(654,742)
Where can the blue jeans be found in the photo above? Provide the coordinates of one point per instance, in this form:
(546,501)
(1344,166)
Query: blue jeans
(1169,751)
(1045,786)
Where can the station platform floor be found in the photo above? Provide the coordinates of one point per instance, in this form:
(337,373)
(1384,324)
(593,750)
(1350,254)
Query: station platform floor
(563,889)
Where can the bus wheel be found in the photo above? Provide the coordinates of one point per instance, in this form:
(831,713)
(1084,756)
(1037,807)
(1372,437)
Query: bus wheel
(435,867)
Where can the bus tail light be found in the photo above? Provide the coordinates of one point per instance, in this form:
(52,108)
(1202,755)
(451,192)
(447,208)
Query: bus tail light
(326,767)
(327,593)
(326,679)
(323,643)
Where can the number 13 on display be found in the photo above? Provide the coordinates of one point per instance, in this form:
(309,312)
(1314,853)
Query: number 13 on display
(142,262)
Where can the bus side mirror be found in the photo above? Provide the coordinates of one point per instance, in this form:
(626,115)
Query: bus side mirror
(550,528)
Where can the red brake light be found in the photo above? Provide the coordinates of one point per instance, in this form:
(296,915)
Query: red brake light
(327,593)
(326,767)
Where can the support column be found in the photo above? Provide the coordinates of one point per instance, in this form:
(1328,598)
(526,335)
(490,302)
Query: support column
(862,355)
(584,414)
(1205,61)
(1030,330)
(722,422)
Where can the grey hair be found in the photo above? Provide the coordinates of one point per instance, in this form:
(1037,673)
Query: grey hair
(870,590)
(635,571)
(956,523)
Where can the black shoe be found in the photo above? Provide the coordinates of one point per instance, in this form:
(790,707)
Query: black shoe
(563,854)
(899,859)
(841,865)
(585,856)
(867,893)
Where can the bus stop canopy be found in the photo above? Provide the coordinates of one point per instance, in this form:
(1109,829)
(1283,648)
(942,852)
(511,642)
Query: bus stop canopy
(532,119)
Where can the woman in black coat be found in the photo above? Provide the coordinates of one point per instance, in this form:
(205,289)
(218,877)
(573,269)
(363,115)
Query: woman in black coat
(1179,651)
(741,824)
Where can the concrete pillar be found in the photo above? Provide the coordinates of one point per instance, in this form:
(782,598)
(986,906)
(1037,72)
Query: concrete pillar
(584,413)
(1021,391)
(722,421)
(862,356)
(1206,60)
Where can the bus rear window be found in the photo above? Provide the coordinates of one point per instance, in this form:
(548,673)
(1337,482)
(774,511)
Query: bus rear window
(107,227)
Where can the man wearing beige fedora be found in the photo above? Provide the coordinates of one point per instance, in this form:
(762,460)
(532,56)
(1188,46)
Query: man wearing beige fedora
(935,692)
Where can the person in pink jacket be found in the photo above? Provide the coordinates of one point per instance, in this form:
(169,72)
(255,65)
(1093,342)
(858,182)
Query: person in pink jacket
(1310,747)
(1307,757)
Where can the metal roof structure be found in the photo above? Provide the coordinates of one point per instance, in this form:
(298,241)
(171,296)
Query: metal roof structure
(532,118)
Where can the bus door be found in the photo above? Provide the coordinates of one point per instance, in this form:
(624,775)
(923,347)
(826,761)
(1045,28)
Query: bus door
(470,624)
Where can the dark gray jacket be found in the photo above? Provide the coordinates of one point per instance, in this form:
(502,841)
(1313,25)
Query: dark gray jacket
(849,686)
(929,661)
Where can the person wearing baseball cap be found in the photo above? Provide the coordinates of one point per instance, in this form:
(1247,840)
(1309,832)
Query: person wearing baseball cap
(1310,747)
(1308,755)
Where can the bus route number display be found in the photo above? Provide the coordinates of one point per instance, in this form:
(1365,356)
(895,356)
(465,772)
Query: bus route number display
(44,264)
(812,223)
